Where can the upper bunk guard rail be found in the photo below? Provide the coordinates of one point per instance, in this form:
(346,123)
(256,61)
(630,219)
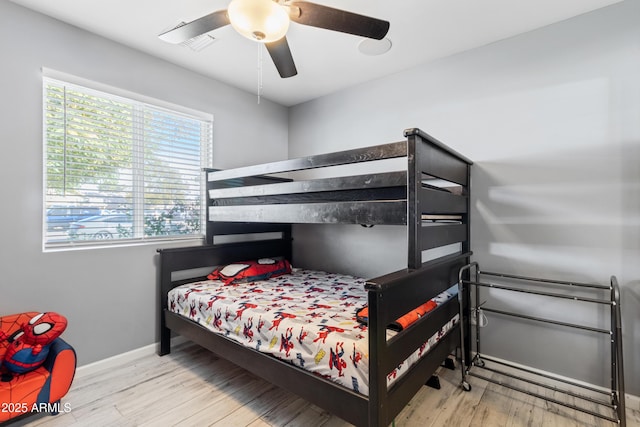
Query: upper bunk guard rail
(442,159)
(616,393)
(357,155)
(388,179)
(357,212)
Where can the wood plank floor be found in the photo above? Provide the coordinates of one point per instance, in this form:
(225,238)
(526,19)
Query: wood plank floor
(191,387)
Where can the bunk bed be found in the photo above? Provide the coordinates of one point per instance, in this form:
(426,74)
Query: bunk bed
(428,199)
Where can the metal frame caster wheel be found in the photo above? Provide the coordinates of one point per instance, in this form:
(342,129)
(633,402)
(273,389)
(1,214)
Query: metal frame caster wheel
(466,386)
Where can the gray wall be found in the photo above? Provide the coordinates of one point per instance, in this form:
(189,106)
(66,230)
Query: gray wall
(552,120)
(107,294)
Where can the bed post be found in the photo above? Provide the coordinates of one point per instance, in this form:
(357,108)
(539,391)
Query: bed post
(165,286)
(414,215)
(466,294)
(378,410)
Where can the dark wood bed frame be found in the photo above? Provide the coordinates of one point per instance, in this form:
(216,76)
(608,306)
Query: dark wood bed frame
(244,200)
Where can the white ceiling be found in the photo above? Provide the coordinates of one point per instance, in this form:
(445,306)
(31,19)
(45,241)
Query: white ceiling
(420,31)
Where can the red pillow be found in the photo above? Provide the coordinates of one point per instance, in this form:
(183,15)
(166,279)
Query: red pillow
(250,271)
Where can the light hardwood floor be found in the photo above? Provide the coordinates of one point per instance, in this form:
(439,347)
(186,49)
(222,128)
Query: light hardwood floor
(191,387)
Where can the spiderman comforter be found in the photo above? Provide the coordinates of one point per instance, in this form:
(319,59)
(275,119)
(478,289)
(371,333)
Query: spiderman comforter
(307,318)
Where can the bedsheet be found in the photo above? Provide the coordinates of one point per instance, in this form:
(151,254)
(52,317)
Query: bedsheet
(307,318)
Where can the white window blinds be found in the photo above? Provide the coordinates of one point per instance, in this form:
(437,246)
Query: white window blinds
(117,169)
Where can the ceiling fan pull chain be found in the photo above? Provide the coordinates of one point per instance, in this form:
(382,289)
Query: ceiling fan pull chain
(259,71)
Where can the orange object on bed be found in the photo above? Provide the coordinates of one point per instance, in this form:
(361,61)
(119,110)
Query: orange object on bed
(404,321)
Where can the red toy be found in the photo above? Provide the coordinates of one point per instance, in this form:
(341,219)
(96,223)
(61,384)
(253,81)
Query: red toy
(28,346)
(42,388)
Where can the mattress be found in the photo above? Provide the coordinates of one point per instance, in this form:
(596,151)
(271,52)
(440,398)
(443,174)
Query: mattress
(307,318)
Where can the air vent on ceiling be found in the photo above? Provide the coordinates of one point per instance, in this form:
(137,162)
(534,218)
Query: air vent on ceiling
(197,43)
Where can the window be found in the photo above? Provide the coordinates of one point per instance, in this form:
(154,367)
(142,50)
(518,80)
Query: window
(119,170)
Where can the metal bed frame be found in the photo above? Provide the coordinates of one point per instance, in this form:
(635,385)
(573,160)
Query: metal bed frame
(616,394)
(246,200)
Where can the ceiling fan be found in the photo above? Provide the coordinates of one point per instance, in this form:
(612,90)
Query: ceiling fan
(267,21)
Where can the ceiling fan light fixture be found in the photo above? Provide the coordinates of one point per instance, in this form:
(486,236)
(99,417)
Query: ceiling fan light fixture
(259,20)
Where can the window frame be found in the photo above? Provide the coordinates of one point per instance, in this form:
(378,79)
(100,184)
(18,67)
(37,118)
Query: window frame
(138,200)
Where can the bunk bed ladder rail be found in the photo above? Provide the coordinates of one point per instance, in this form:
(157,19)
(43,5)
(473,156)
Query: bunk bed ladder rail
(617,391)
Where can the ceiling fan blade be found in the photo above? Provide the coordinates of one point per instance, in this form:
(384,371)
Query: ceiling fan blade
(316,15)
(196,28)
(281,56)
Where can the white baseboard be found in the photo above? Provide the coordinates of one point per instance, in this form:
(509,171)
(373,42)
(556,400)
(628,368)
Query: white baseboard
(120,359)
(631,401)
